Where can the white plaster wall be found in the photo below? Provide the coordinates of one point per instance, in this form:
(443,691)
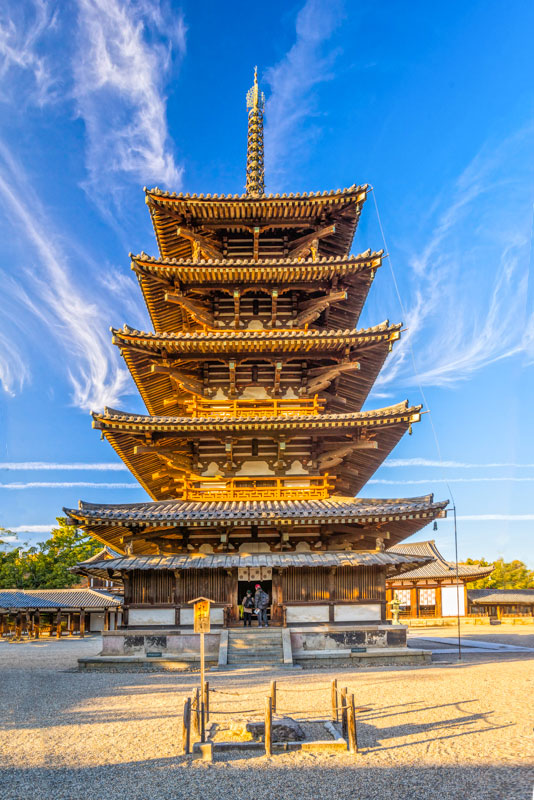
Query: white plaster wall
(96,622)
(357,613)
(307,614)
(187,614)
(151,616)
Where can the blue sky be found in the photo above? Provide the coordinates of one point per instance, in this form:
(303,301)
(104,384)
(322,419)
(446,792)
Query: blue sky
(431,103)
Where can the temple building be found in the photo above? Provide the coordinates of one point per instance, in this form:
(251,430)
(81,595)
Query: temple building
(431,590)
(255,446)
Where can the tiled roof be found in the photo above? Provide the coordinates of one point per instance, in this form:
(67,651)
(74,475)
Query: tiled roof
(271,336)
(312,420)
(438,567)
(298,264)
(500,596)
(345,508)
(56,598)
(334,193)
(391,561)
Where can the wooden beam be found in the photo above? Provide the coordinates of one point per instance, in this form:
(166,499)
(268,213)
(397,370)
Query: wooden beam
(186,380)
(209,249)
(311,309)
(303,243)
(323,376)
(197,309)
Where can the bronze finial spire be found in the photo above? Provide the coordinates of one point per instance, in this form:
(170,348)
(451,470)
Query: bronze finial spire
(255,186)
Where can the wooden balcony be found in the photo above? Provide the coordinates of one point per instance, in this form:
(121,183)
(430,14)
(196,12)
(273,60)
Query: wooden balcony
(295,487)
(199,407)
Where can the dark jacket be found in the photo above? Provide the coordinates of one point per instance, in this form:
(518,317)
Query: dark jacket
(248,601)
(261,599)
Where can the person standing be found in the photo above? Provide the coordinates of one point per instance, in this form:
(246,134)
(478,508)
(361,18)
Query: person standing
(248,608)
(261,601)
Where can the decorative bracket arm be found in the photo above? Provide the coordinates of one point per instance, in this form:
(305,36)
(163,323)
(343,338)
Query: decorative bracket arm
(197,310)
(311,309)
(302,244)
(323,376)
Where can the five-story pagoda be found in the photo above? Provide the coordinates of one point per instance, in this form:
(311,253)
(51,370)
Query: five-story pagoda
(255,444)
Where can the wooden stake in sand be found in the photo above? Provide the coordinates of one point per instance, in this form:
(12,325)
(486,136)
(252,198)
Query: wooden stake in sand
(351,726)
(186,730)
(334,700)
(268,727)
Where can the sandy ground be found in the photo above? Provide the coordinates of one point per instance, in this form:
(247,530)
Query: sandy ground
(447,730)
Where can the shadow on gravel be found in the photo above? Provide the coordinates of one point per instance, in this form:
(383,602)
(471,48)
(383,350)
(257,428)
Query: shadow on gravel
(280,778)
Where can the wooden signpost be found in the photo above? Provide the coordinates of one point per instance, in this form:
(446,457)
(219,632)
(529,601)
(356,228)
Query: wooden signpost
(201,625)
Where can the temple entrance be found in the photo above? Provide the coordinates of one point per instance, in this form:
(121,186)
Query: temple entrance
(242,587)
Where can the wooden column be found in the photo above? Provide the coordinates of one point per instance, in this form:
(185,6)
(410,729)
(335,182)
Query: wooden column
(389,598)
(277,597)
(106,619)
(27,624)
(18,626)
(438,600)
(82,623)
(58,624)
(37,623)
(466,608)
(414,602)
(332,574)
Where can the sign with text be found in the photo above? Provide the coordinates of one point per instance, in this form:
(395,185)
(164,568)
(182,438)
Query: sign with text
(201,619)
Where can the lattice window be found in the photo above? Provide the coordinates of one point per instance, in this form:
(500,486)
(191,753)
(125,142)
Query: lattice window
(427,597)
(403,596)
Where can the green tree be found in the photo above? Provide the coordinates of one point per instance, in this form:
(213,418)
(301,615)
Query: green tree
(46,566)
(505,575)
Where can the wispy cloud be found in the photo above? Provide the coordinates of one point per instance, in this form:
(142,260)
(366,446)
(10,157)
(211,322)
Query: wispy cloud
(68,485)
(496,517)
(308,63)
(125,51)
(14,371)
(467,305)
(503,480)
(50,465)
(31,528)
(71,312)
(428,462)
(23,27)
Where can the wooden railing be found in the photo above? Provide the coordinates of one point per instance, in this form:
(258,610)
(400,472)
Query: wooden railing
(199,407)
(295,487)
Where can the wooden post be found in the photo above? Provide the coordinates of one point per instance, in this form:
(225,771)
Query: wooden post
(186,730)
(58,624)
(106,619)
(195,711)
(206,700)
(37,623)
(82,623)
(268,727)
(27,624)
(351,726)
(32,625)
(273,695)
(333,694)
(343,704)
(414,605)
(18,626)
(438,600)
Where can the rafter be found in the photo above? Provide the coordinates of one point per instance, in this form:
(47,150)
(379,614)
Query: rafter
(311,309)
(198,310)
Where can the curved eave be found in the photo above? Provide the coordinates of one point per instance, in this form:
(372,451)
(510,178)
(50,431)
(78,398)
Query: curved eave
(244,212)
(156,278)
(401,517)
(145,353)
(192,343)
(385,428)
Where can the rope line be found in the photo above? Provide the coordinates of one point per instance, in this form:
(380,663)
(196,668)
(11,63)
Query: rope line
(430,416)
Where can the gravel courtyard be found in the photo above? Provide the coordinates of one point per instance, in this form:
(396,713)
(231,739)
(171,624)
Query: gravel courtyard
(443,731)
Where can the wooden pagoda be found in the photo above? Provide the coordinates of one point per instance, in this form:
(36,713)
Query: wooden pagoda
(255,443)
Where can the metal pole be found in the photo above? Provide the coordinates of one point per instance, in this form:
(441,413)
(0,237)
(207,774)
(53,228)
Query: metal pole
(202,691)
(457,586)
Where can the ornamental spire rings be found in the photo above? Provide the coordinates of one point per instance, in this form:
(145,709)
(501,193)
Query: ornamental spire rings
(255,185)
